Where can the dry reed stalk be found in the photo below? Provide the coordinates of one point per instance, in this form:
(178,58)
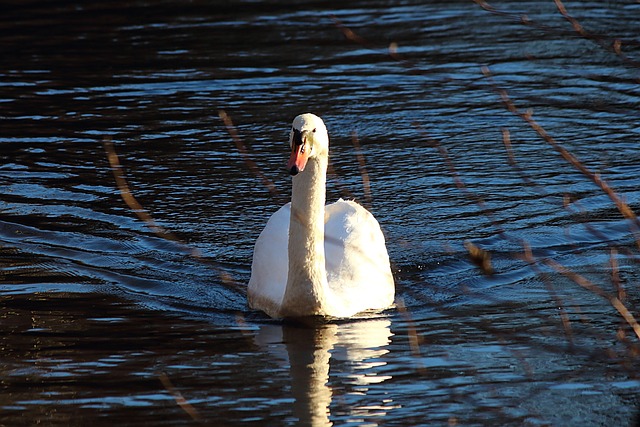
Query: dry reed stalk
(615,45)
(574,22)
(622,206)
(366,185)
(444,153)
(478,256)
(605,41)
(615,275)
(412,333)
(506,139)
(590,286)
(145,216)
(350,34)
(619,288)
(127,196)
(392,49)
(515,17)
(527,254)
(596,178)
(179,398)
(568,204)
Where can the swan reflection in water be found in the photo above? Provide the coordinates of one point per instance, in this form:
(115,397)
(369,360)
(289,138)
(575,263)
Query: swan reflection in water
(357,349)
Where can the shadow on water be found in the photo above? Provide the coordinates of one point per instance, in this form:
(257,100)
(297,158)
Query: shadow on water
(105,322)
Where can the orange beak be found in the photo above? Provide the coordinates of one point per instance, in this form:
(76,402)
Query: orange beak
(298,159)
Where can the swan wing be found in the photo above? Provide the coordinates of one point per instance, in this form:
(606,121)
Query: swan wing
(270,264)
(358,271)
(356,259)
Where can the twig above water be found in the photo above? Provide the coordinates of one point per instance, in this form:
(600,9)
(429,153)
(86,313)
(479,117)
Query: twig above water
(592,287)
(605,41)
(145,216)
(125,191)
(366,184)
(596,178)
(242,148)
(179,398)
(614,46)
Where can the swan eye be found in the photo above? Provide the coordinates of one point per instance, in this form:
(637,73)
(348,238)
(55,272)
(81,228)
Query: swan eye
(314,130)
(295,138)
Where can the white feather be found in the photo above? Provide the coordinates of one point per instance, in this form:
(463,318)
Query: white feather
(356,274)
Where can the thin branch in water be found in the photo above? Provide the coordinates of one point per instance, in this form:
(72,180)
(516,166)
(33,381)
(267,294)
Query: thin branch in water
(444,153)
(392,49)
(590,286)
(129,199)
(123,187)
(242,148)
(349,34)
(145,216)
(564,316)
(478,256)
(573,206)
(414,338)
(603,40)
(596,178)
(506,139)
(615,46)
(366,186)
(615,275)
(574,22)
(179,398)
(515,17)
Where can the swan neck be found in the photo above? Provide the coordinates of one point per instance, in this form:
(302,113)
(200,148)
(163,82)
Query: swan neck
(305,294)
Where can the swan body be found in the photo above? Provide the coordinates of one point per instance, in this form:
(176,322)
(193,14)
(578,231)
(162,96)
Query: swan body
(317,260)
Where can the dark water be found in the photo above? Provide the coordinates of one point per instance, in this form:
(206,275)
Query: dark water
(105,322)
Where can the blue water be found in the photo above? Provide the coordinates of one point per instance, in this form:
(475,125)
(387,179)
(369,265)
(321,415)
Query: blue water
(108,322)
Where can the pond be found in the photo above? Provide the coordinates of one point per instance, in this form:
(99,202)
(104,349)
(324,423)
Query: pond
(496,144)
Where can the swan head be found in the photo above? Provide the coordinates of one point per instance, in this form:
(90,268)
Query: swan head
(308,139)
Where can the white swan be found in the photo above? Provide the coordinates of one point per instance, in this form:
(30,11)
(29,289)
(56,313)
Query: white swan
(314,260)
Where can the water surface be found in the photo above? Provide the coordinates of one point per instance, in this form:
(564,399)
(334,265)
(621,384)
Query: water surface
(107,322)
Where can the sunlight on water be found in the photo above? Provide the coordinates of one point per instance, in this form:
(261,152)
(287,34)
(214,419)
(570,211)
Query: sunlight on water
(108,322)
